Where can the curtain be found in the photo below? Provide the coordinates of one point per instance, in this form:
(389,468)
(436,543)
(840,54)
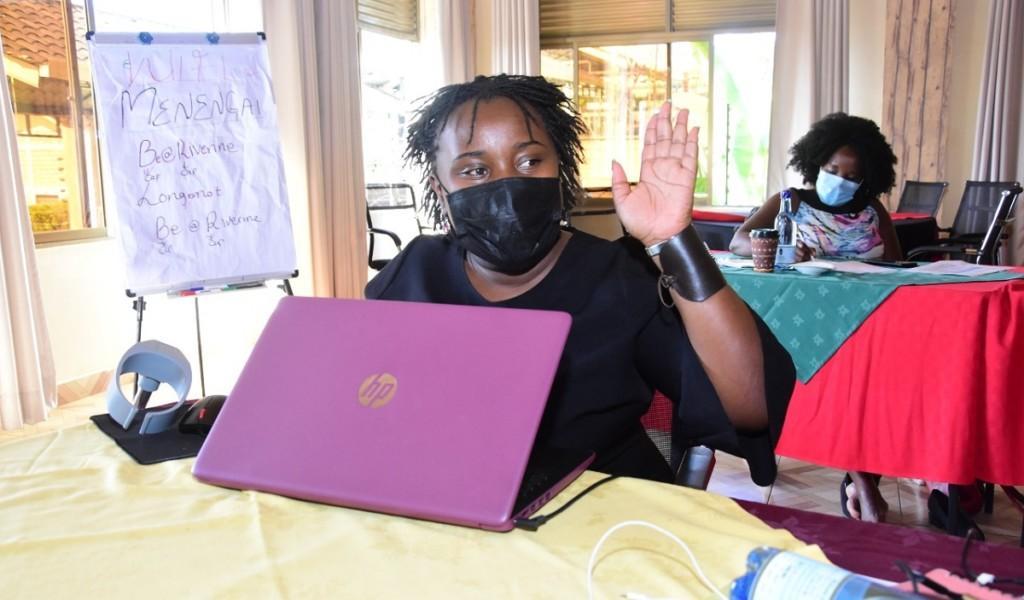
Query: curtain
(28,378)
(810,78)
(515,43)
(325,36)
(999,136)
(457,47)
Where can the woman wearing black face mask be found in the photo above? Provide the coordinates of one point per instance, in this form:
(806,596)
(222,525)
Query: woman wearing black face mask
(500,155)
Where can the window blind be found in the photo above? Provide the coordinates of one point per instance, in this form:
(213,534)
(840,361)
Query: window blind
(573,18)
(719,15)
(583,18)
(399,18)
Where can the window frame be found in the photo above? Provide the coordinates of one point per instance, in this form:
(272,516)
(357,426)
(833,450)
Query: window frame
(91,196)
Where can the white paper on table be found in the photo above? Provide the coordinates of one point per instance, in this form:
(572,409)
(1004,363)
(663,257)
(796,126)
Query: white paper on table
(737,263)
(852,266)
(958,267)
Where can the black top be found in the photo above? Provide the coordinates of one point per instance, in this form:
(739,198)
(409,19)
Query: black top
(622,345)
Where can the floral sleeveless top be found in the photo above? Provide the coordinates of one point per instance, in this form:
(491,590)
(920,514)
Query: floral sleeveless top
(848,235)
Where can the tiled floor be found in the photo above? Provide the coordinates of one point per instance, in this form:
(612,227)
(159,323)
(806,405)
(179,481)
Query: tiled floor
(799,485)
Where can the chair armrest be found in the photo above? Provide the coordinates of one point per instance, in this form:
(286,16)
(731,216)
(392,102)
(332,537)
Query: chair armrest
(392,235)
(952,249)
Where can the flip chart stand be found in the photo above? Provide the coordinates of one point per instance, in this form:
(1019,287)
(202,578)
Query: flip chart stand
(139,307)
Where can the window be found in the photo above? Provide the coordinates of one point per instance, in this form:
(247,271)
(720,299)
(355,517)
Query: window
(390,89)
(714,58)
(47,65)
(44,54)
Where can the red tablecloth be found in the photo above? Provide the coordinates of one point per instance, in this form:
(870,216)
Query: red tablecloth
(930,386)
(716,215)
(902,216)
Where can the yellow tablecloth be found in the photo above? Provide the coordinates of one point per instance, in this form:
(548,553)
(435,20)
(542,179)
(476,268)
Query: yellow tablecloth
(80,519)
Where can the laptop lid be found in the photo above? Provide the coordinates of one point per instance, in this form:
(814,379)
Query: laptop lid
(423,410)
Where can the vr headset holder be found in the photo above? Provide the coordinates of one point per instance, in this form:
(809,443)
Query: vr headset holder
(155,363)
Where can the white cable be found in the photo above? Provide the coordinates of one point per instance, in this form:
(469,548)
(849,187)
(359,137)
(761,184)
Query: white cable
(696,566)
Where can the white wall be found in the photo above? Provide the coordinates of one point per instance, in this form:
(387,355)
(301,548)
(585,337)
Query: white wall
(867,58)
(89,316)
(970,32)
(867,65)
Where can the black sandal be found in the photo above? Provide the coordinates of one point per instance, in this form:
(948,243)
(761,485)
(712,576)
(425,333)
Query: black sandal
(938,515)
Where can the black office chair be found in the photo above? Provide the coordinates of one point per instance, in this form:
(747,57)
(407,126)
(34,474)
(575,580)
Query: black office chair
(985,209)
(683,454)
(922,197)
(594,214)
(391,213)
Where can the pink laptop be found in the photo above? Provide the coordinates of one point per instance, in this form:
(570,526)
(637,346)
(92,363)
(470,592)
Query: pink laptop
(422,410)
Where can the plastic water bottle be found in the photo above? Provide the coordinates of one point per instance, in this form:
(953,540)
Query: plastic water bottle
(776,574)
(786,226)
(784,222)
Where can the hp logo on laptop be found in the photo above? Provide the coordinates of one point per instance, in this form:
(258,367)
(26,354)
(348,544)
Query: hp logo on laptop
(377,390)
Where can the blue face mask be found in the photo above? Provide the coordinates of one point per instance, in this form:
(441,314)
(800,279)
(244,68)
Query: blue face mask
(833,190)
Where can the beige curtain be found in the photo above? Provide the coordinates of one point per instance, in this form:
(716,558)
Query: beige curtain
(28,379)
(999,137)
(515,46)
(811,76)
(458,51)
(325,38)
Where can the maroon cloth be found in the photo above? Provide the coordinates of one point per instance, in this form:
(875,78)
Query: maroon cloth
(930,386)
(873,548)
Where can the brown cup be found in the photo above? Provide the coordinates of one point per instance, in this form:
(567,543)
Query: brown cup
(764,243)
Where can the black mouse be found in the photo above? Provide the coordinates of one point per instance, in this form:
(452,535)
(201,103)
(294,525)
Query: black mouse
(200,416)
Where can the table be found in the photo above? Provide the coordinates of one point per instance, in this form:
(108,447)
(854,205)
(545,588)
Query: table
(868,548)
(929,387)
(79,519)
(717,228)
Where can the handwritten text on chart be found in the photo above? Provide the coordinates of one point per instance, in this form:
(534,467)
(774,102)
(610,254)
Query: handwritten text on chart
(175,65)
(190,131)
(160,112)
(182,150)
(214,226)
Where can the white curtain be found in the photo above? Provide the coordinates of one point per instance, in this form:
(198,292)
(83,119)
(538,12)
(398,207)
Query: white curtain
(515,43)
(999,137)
(456,40)
(28,379)
(810,79)
(326,35)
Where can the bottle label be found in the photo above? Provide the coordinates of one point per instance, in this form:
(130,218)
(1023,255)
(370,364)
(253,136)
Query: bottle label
(788,575)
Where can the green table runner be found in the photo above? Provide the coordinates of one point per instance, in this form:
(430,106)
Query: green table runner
(812,316)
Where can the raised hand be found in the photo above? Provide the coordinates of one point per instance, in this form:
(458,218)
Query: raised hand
(661,204)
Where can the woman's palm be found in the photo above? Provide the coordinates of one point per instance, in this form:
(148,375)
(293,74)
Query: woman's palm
(661,204)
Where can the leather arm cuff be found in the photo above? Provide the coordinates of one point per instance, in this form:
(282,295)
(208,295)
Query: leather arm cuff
(688,268)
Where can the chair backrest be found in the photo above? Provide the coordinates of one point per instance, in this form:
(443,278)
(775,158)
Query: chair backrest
(391,214)
(988,251)
(922,196)
(595,214)
(602,222)
(978,206)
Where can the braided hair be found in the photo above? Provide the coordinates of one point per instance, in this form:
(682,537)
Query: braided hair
(536,97)
(833,132)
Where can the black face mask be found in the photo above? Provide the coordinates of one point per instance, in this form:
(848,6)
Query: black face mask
(511,223)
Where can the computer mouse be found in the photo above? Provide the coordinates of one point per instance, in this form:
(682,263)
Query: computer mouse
(200,416)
